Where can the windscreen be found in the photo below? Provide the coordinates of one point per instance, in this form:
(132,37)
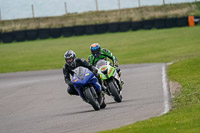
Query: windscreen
(79,72)
(100,63)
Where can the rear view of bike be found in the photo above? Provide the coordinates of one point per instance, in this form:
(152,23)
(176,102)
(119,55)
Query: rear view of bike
(88,87)
(111,79)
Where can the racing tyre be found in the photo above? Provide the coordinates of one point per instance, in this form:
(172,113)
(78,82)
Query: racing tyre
(114,91)
(91,98)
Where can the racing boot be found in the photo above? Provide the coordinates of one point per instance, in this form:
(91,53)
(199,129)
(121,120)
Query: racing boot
(101,99)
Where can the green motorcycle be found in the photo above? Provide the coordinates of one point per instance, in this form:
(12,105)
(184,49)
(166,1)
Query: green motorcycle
(111,79)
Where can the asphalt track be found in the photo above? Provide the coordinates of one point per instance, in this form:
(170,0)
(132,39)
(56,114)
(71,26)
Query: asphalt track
(37,102)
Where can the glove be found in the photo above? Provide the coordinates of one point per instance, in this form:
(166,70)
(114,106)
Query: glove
(116,64)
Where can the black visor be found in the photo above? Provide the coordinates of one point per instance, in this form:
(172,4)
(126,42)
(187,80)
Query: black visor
(96,52)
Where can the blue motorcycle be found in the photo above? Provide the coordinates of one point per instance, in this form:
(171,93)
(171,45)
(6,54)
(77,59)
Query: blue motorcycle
(88,87)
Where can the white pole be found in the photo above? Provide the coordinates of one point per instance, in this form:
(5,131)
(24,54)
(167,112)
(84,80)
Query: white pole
(139,4)
(33,15)
(97,5)
(65,8)
(163,2)
(0,14)
(119,4)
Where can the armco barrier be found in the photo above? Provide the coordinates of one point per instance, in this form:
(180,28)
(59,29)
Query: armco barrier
(148,24)
(102,28)
(160,23)
(90,29)
(43,33)
(113,27)
(136,25)
(67,31)
(55,33)
(182,21)
(171,22)
(124,26)
(31,34)
(7,37)
(19,36)
(79,30)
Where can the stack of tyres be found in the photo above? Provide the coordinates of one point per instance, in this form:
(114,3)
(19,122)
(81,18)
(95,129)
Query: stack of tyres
(90,29)
(171,22)
(79,30)
(7,37)
(67,31)
(102,28)
(19,36)
(196,19)
(43,33)
(55,33)
(0,37)
(160,23)
(113,27)
(148,24)
(137,25)
(125,26)
(31,34)
(181,22)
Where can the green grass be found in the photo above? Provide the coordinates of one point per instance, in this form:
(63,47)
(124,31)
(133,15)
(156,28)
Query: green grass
(178,44)
(130,47)
(183,120)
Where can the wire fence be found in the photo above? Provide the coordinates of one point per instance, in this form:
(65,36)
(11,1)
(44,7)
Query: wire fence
(67,6)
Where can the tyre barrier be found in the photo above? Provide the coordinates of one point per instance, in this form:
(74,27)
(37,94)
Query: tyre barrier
(19,36)
(148,24)
(90,29)
(136,25)
(8,37)
(67,31)
(171,22)
(0,37)
(160,23)
(79,30)
(55,33)
(43,33)
(113,27)
(124,26)
(196,19)
(182,22)
(31,34)
(101,28)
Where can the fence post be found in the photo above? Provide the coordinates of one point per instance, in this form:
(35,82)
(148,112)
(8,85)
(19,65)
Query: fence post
(97,5)
(0,14)
(139,4)
(66,8)
(163,2)
(119,4)
(33,15)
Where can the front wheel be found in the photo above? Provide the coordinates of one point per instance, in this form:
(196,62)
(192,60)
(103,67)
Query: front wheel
(114,91)
(91,99)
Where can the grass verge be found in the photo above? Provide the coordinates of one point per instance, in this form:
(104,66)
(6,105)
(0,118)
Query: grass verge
(133,47)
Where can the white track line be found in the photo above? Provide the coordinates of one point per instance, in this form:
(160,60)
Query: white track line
(167,104)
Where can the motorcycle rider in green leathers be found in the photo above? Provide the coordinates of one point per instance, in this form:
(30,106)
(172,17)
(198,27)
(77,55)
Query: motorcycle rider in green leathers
(97,53)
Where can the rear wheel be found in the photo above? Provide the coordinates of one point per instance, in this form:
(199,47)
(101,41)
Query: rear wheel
(114,91)
(91,98)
